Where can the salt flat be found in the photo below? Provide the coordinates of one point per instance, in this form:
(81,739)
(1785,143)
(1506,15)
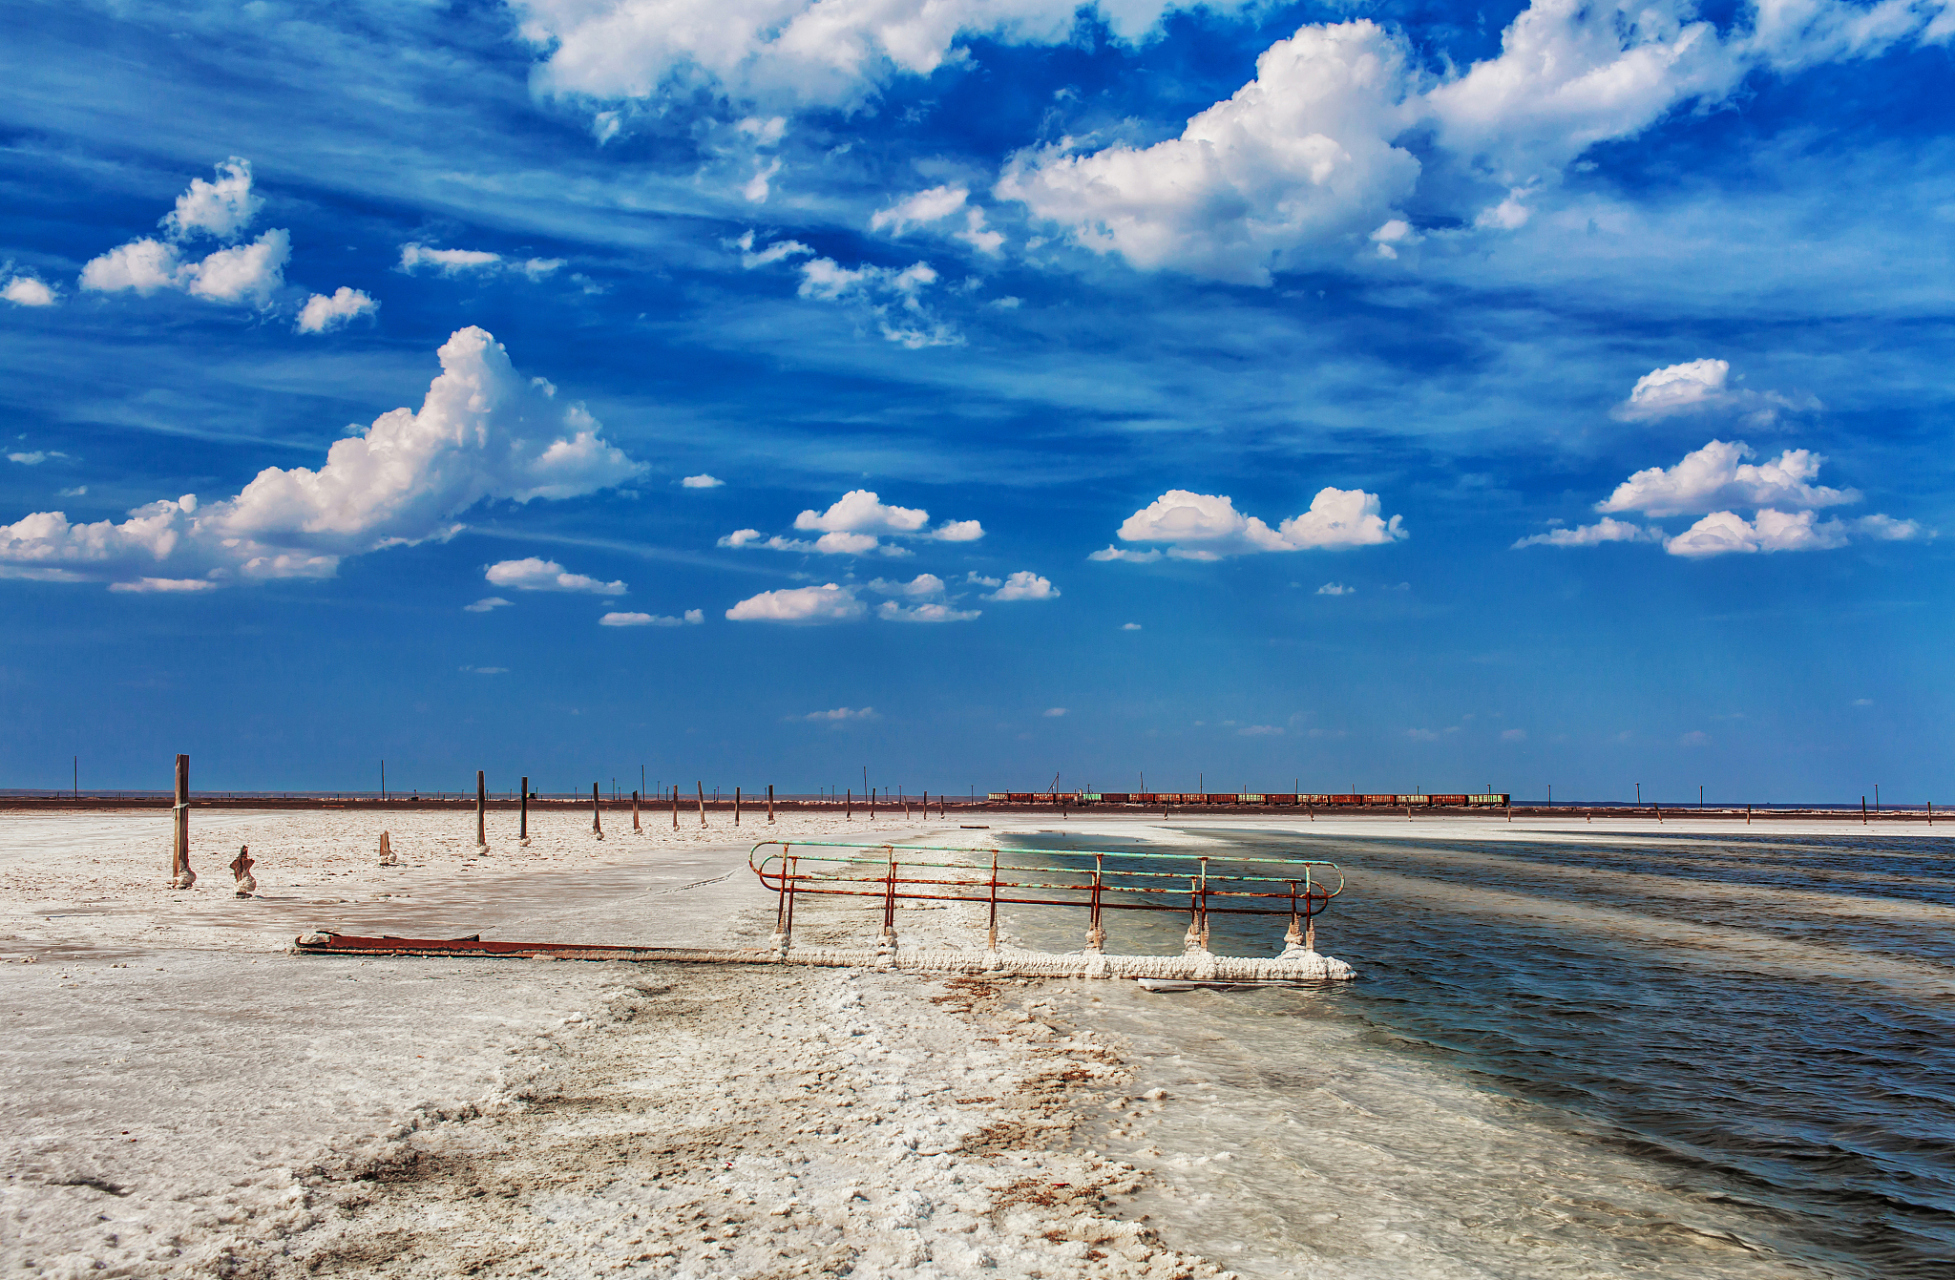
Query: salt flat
(180,1095)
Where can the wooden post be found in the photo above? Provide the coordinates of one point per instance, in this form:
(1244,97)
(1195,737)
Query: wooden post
(702,802)
(675,806)
(181,876)
(522,830)
(597,814)
(481,811)
(634,812)
(848,805)
(736,806)
(770,802)
(1863,811)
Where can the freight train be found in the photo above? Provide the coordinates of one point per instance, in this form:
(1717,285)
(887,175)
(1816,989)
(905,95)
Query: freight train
(1156,799)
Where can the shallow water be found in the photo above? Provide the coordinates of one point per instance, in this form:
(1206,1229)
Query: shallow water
(1654,1055)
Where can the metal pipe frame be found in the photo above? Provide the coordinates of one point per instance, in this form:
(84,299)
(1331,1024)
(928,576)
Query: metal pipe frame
(1246,886)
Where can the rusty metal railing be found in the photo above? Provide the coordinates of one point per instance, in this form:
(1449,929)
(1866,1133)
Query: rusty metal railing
(1098,880)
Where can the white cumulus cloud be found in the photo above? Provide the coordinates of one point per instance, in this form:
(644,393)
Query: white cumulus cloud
(806,53)
(321,312)
(1336,589)
(702,481)
(1698,386)
(223,208)
(1025,585)
(534,574)
(856,524)
(1300,157)
(1725,532)
(827,603)
(1710,482)
(1302,164)
(27,291)
(482,433)
(1201,526)
(487,604)
(1716,476)
(246,273)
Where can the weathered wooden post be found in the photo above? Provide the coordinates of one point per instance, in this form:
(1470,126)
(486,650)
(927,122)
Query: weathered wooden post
(522,830)
(848,805)
(736,806)
(675,806)
(702,802)
(597,814)
(181,876)
(241,870)
(481,811)
(387,858)
(770,804)
(634,812)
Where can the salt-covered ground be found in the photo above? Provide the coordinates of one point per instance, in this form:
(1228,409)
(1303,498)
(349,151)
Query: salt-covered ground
(179,1095)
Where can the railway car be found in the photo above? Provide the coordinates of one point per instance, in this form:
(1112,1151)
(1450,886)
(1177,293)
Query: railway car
(1343,800)
(1000,797)
(1413,802)
(1448,802)
(1114,797)
(1381,800)
(1492,799)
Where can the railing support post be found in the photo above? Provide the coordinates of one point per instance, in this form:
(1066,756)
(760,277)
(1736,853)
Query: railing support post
(992,944)
(889,904)
(1095,935)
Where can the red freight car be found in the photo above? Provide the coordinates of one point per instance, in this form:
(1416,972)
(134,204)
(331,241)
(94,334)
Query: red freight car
(1450,802)
(1344,800)
(1383,800)
(1116,797)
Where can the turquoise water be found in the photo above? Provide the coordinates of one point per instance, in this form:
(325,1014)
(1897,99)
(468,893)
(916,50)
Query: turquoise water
(1659,1054)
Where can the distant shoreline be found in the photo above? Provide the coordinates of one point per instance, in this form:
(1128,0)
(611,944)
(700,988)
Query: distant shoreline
(49,803)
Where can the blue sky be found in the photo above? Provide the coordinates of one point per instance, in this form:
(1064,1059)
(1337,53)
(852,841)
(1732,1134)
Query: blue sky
(1384,396)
